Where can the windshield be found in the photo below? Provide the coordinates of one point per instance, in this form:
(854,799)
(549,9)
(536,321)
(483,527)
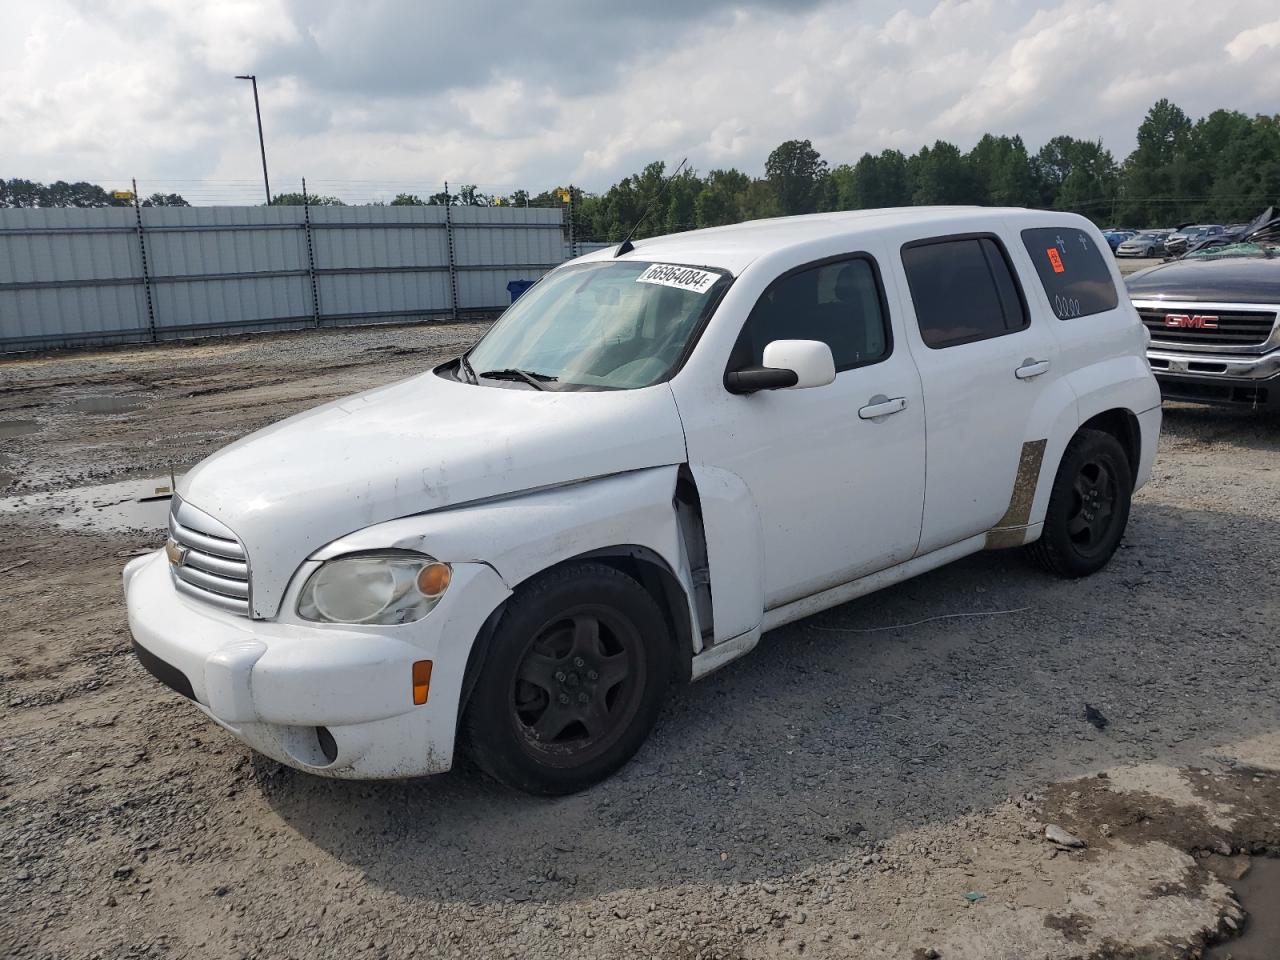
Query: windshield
(618,324)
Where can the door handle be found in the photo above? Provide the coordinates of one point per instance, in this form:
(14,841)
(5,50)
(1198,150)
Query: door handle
(882,406)
(1031,368)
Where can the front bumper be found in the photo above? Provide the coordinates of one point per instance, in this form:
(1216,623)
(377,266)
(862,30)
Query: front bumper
(330,699)
(1216,378)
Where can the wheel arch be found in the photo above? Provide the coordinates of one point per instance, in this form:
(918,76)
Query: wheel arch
(642,564)
(1122,424)
(647,567)
(1117,421)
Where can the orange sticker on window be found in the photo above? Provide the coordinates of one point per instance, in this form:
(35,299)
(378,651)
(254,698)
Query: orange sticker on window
(1055,259)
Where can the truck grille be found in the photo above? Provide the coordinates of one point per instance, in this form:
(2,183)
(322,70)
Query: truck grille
(1236,328)
(213,564)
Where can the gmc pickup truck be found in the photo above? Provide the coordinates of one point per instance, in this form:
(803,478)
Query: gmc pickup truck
(1214,318)
(656,454)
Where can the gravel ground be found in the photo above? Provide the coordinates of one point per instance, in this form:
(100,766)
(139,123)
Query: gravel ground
(838,792)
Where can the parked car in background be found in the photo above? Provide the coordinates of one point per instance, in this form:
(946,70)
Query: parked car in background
(1116,237)
(1147,244)
(1178,241)
(1214,318)
(657,453)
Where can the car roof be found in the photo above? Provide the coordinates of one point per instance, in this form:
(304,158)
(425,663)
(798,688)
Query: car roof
(734,246)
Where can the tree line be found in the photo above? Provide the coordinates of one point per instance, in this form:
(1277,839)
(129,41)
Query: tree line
(28,193)
(1222,167)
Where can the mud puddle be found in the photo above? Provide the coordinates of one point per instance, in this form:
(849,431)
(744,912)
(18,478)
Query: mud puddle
(17,428)
(107,404)
(109,507)
(1259,893)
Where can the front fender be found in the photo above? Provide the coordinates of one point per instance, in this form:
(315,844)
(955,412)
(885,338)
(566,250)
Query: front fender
(522,535)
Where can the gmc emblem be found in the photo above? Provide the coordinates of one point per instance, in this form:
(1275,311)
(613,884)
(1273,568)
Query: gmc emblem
(1191,321)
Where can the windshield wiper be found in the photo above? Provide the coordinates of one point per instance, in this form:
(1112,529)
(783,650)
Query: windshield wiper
(534,379)
(465,366)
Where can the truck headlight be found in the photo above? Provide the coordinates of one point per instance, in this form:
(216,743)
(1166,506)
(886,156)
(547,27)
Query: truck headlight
(384,589)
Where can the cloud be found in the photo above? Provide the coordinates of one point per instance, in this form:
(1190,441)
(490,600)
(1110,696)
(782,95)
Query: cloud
(399,48)
(1254,40)
(370,98)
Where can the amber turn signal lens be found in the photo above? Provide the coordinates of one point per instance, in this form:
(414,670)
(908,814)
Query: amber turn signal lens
(433,579)
(421,681)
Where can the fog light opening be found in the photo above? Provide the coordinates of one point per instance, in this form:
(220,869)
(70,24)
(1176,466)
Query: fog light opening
(328,746)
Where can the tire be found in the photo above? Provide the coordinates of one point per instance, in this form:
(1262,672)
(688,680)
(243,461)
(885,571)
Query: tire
(576,673)
(1088,507)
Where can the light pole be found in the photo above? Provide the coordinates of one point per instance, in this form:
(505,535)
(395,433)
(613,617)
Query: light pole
(262,144)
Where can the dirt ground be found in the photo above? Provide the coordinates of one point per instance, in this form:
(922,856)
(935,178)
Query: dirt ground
(875,781)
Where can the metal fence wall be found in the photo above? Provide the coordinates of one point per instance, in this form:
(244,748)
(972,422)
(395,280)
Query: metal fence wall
(77,277)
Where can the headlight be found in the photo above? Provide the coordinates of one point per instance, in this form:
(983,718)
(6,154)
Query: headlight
(392,588)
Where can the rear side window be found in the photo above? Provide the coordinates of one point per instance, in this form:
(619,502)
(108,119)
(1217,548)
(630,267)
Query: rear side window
(1072,271)
(963,290)
(838,302)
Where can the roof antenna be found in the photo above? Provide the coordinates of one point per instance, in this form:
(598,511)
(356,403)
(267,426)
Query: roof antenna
(626,246)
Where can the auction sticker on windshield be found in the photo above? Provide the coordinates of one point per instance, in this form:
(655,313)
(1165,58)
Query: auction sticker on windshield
(682,278)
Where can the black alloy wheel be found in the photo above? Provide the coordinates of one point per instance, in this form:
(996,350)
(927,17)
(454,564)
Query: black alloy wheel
(1093,507)
(575,674)
(1088,506)
(578,685)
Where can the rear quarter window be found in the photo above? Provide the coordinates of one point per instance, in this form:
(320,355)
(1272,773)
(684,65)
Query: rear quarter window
(963,290)
(1076,278)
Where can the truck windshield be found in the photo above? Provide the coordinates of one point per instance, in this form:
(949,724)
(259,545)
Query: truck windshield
(1257,251)
(607,325)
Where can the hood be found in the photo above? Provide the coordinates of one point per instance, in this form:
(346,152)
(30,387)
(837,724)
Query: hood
(1229,280)
(423,444)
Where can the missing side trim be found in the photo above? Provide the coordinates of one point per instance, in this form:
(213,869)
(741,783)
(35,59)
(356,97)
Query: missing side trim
(1010,530)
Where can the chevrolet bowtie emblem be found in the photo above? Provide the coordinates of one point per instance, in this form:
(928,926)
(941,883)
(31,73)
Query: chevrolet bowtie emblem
(176,552)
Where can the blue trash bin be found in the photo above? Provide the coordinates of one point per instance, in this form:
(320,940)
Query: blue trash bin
(517,287)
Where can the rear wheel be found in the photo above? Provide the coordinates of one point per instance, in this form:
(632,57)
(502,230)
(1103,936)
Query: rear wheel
(1088,507)
(577,671)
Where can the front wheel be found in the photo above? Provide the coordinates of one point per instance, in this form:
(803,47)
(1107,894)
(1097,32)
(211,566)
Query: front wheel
(1088,507)
(575,675)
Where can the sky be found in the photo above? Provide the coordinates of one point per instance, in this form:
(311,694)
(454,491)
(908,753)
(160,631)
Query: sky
(366,99)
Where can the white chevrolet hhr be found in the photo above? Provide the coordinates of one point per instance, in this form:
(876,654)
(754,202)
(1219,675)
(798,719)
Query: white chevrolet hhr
(656,454)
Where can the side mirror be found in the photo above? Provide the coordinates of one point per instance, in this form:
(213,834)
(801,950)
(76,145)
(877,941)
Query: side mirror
(787,363)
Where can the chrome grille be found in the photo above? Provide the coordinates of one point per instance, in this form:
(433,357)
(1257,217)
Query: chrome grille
(213,564)
(1232,328)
